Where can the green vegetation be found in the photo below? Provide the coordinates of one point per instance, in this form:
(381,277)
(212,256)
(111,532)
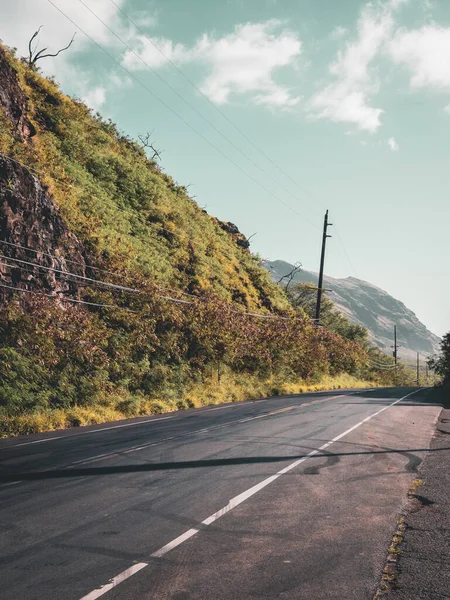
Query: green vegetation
(304,295)
(440,363)
(63,365)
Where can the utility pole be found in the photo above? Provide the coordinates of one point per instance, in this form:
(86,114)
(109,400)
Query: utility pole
(322,261)
(395,345)
(394,354)
(418,377)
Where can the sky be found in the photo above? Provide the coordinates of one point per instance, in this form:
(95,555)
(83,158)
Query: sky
(273,111)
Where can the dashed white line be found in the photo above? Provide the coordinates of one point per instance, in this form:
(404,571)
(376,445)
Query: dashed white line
(232,504)
(115,581)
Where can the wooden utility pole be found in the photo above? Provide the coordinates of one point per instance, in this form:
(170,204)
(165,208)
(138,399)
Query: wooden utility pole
(395,345)
(322,262)
(418,376)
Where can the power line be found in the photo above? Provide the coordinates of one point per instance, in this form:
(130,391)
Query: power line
(244,135)
(230,160)
(81,277)
(64,298)
(121,288)
(341,243)
(73,262)
(182,98)
(88,266)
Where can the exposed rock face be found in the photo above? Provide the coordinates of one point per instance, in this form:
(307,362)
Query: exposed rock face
(13,100)
(28,217)
(372,307)
(234,232)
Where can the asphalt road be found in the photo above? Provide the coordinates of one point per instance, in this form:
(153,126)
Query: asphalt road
(290,497)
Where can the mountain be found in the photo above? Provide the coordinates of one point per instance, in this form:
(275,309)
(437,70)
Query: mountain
(372,307)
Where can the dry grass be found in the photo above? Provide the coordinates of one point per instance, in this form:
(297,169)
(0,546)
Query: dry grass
(232,388)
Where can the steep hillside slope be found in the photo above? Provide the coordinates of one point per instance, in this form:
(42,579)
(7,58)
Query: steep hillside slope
(370,306)
(130,216)
(119,295)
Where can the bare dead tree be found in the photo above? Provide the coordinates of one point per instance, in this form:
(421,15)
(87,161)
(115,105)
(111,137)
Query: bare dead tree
(147,142)
(290,276)
(34,55)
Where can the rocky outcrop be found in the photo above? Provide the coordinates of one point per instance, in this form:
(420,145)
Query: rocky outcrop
(372,307)
(28,218)
(234,233)
(13,101)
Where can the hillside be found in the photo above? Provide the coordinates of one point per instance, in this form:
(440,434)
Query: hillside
(119,295)
(370,306)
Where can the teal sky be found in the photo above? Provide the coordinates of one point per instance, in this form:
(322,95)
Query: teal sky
(351,99)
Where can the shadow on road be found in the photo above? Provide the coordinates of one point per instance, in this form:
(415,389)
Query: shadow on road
(190,464)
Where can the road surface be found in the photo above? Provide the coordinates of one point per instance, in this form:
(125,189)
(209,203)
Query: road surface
(290,497)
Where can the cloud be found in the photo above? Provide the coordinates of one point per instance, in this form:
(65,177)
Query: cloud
(95,98)
(154,52)
(241,63)
(425,52)
(22,17)
(338,33)
(393,144)
(245,61)
(118,81)
(348,97)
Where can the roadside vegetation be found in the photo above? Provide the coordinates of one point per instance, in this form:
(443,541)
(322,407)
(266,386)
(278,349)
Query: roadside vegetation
(440,363)
(142,353)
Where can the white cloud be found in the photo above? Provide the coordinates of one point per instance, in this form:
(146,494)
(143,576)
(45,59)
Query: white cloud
(393,144)
(154,52)
(338,33)
(348,97)
(426,53)
(95,98)
(21,18)
(278,98)
(243,62)
(118,81)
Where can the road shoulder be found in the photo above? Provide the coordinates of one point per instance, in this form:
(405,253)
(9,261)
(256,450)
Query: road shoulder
(418,565)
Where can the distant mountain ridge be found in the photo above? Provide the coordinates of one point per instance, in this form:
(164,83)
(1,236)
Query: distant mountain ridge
(372,307)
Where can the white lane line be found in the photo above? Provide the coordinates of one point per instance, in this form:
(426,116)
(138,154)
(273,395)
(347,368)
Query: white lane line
(235,502)
(174,543)
(115,581)
(153,421)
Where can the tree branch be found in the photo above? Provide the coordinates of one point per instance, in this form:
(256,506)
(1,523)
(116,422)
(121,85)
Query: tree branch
(147,143)
(39,55)
(30,50)
(297,267)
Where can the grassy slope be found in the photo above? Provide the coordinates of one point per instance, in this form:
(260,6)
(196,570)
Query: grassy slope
(135,220)
(233,388)
(131,216)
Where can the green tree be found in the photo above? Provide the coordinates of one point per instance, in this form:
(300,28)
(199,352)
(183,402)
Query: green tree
(440,363)
(304,295)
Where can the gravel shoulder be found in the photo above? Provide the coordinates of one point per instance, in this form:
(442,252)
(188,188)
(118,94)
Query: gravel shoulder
(421,570)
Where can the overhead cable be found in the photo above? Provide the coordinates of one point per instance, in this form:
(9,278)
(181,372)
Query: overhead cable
(181,118)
